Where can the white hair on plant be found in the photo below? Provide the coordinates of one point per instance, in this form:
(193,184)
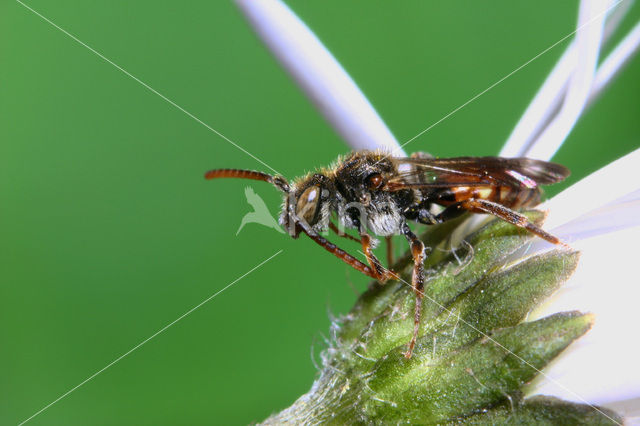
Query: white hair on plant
(600,215)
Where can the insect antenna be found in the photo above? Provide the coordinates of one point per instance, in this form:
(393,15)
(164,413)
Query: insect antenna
(279,181)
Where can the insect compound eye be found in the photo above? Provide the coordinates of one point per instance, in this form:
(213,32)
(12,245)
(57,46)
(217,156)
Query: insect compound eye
(374,181)
(308,204)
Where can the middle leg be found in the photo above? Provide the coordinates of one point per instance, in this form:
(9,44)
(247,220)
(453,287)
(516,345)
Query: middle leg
(417,282)
(389,241)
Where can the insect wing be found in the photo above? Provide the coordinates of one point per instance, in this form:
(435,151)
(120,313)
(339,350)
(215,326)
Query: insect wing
(474,171)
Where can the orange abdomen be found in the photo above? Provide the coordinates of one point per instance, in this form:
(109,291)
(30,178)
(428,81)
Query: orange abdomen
(507,196)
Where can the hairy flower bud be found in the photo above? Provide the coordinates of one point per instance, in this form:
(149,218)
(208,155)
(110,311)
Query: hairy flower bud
(475,352)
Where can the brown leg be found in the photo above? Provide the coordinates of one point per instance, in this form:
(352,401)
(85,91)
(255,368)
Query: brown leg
(508,215)
(417,282)
(339,253)
(389,241)
(343,234)
(383,274)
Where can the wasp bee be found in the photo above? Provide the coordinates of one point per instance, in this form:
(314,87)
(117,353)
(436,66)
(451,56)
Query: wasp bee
(378,194)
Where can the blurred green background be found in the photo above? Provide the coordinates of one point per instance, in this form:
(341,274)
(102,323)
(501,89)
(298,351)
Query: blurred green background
(110,232)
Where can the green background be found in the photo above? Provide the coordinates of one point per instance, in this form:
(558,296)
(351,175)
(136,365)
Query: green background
(109,231)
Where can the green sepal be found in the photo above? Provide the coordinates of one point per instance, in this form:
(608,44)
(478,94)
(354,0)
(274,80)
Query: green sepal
(474,354)
(543,411)
(484,373)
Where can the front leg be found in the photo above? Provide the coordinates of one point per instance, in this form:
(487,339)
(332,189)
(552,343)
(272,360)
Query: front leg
(417,282)
(338,252)
(343,234)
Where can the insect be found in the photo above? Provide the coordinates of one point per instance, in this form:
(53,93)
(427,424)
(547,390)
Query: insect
(376,193)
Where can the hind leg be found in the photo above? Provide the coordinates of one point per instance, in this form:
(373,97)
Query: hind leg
(483,206)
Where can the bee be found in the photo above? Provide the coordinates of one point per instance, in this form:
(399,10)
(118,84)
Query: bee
(378,194)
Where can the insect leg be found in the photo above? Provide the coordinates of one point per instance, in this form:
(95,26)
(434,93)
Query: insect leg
(340,254)
(483,206)
(383,274)
(450,212)
(343,234)
(421,213)
(417,282)
(389,241)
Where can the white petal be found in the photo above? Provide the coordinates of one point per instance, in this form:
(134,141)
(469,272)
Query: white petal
(588,40)
(615,61)
(547,103)
(542,107)
(319,75)
(602,366)
(613,182)
(600,217)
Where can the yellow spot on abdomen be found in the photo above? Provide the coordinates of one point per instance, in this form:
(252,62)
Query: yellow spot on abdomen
(483,193)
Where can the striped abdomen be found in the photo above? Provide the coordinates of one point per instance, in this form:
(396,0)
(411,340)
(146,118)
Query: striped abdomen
(508,196)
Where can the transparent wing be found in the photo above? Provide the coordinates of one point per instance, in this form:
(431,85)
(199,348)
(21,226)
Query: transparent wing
(474,171)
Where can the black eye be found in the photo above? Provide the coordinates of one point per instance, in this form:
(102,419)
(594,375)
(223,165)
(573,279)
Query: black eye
(374,181)
(308,204)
